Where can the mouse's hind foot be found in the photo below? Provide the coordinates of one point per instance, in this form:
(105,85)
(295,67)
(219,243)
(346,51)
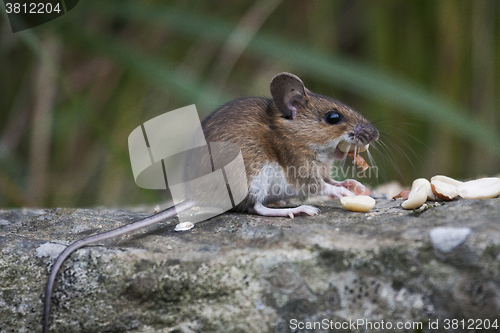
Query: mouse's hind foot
(260,209)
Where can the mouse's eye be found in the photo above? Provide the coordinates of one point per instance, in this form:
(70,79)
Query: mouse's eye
(333,117)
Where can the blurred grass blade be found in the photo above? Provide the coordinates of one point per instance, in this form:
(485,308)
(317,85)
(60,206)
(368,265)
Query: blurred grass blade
(344,73)
(156,72)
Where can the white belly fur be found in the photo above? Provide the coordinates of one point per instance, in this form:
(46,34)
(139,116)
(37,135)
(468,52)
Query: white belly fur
(271,184)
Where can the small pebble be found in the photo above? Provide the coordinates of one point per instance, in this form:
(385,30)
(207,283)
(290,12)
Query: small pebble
(184,226)
(51,250)
(446,239)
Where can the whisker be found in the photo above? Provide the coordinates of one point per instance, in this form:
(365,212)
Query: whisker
(370,157)
(345,157)
(372,161)
(391,144)
(411,136)
(389,157)
(403,153)
(391,122)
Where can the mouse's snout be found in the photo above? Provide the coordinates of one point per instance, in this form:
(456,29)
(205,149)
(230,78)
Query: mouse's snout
(364,133)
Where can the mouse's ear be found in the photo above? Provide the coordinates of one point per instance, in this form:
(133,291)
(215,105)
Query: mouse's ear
(289,94)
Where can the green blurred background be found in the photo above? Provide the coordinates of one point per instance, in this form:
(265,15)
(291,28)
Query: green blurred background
(426,72)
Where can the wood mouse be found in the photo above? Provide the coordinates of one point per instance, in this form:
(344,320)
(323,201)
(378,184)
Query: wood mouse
(288,143)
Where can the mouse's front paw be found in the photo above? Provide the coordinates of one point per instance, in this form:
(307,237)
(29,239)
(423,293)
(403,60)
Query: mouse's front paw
(352,185)
(337,191)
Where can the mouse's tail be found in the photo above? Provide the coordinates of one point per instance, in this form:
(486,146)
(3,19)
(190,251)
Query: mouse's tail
(165,214)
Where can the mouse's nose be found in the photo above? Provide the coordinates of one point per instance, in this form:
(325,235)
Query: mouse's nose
(375,134)
(365,133)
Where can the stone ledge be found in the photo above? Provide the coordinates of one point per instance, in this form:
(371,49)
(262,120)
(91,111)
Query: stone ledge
(246,273)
